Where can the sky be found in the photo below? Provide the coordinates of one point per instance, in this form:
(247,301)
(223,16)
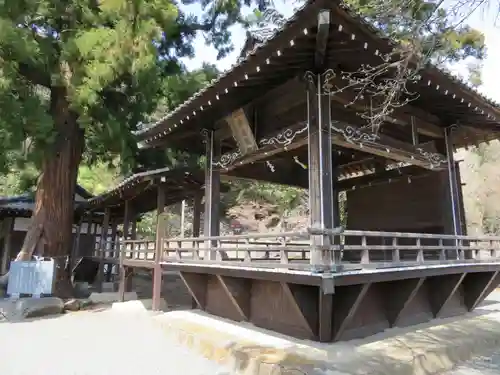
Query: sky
(483,20)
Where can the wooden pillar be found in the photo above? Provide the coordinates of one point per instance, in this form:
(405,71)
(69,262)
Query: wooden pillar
(321,188)
(453,186)
(113,249)
(92,232)
(121,250)
(133,231)
(76,248)
(197,214)
(102,248)
(212,192)
(183,218)
(160,231)
(7,244)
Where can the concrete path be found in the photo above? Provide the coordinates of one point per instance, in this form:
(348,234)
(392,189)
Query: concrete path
(96,343)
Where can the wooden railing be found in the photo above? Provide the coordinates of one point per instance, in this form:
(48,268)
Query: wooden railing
(350,246)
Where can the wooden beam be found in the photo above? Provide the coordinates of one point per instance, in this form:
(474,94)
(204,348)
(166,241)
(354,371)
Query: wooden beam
(196,284)
(121,252)
(241,131)
(353,137)
(300,299)
(322,39)
(345,135)
(291,138)
(7,243)
(273,104)
(113,249)
(414,131)
(238,292)
(476,286)
(325,333)
(374,178)
(399,295)
(197,209)
(349,299)
(442,289)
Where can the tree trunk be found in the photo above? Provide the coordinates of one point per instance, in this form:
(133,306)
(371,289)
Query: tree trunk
(53,214)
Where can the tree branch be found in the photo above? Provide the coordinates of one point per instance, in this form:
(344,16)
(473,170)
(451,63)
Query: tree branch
(33,75)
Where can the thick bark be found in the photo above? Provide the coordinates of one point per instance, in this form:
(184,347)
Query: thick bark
(54,202)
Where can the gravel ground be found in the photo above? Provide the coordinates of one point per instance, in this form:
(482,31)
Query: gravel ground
(95,344)
(484,365)
(488,364)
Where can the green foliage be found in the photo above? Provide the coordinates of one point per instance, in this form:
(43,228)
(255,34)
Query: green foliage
(426,25)
(98,178)
(107,65)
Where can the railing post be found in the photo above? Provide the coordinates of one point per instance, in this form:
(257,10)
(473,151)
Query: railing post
(283,252)
(395,250)
(460,249)
(365,252)
(442,252)
(420,251)
(248,254)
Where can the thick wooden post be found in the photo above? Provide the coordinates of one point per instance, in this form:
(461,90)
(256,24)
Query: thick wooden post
(197,214)
(7,244)
(212,192)
(76,248)
(113,250)
(160,230)
(321,188)
(453,190)
(92,231)
(102,248)
(121,249)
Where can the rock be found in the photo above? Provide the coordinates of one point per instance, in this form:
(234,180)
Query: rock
(72,305)
(84,303)
(36,307)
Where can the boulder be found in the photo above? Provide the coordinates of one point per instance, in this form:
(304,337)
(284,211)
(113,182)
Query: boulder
(36,307)
(72,305)
(84,303)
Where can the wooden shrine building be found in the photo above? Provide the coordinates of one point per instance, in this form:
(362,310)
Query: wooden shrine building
(136,195)
(287,113)
(15,219)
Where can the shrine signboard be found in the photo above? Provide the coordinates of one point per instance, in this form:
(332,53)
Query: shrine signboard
(34,278)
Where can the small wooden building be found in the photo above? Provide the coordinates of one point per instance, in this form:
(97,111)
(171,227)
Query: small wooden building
(15,219)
